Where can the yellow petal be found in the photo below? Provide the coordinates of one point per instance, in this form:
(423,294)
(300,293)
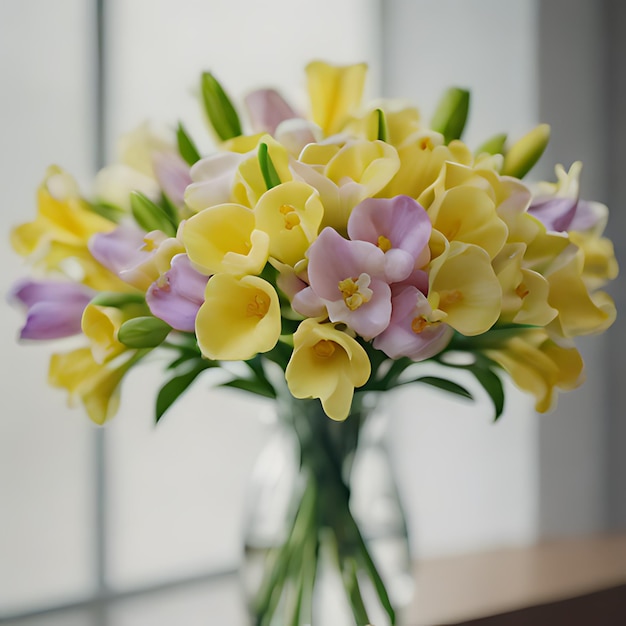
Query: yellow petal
(335,93)
(239,318)
(100,325)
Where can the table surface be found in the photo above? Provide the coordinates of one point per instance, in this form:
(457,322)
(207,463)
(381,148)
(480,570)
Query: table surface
(448,590)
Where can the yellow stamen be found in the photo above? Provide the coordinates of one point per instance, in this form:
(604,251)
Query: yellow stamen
(148,244)
(418,324)
(450,297)
(292,219)
(258,306)
(324,348)
(426,143)
(522,291)
(163,283)
(383,243)
(356,291)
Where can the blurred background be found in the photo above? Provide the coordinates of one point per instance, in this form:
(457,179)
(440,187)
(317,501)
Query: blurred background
(87,511)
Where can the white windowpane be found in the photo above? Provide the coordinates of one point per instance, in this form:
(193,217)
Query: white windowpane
(46,522)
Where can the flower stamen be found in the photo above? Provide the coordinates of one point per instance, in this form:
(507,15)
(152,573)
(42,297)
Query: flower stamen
(258,306)
(356,291)
(384,244)
(324,348)
(292,219)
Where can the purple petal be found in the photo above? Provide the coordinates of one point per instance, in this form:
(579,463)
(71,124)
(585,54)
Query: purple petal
(267,109)
(587,216)
(400,340)
(178,294)
(172,174)
(554,213)
(53,320)
(119,249)
(401,221)
(31,292)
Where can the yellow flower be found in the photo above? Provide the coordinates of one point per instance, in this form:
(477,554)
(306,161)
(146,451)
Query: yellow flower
(580,312)
(95,385)
(335,93)
(100,325)
(402,120)
(464,290)
(290,214)
(239,318)
(539,366)
(62,217)
(223,238)
(326,364)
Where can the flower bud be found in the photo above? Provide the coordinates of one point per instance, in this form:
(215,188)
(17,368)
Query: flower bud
(219,108)
(143,332)
(451,113)
(525,152)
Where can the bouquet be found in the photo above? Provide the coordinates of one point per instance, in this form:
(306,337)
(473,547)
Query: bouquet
(328,254)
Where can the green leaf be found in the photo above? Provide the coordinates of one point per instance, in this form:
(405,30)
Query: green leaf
(525,152)
(270,175)
(383,132)
(170,210)
(443,384)
(252,385)
(118,300)
(108,211)
(175,387)
(493,145)
(186,147)
(150,216)
(451,113)
(143,332)
(492,384)
(219,108)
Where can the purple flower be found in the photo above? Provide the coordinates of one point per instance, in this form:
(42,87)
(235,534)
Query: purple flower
(554,213)
(118,249)
(172,174)
(349,278)
(54,309)
(409,332)
(178,294)
(267,109)
(399,226)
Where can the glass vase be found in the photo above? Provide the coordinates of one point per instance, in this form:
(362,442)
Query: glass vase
(325,533)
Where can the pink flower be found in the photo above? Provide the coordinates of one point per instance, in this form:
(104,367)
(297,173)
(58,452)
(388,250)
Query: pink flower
(399,226)
(349,278)
(409,332)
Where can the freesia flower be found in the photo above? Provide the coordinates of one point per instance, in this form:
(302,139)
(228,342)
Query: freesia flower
(240,317)
(327,364)
(349,277)
(410,333)
(399,227)
(539,366)
(176,296)
(267,109)
(224,238)
(54,308)
(335,93)
(464,290)
(95,385)
(100,325)
(137,257)
(290,214)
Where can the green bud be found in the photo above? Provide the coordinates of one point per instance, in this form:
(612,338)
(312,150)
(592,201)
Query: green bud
(118,300)
(186,147)
(108,211)
(270,175)
(451,113)
(219,108)
(150,216)
(143,332)
(383,133)
(493,145)
(525,152)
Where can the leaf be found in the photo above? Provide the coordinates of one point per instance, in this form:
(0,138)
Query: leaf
(108,211)
(252,385)
(219,108)
(493,145)
(451,113)
(175,387)
(492,384)
(143,332)
(186,147)
(383,132)
(270,175)
(150,216)
(170,210)
(118,300)
(443,384)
